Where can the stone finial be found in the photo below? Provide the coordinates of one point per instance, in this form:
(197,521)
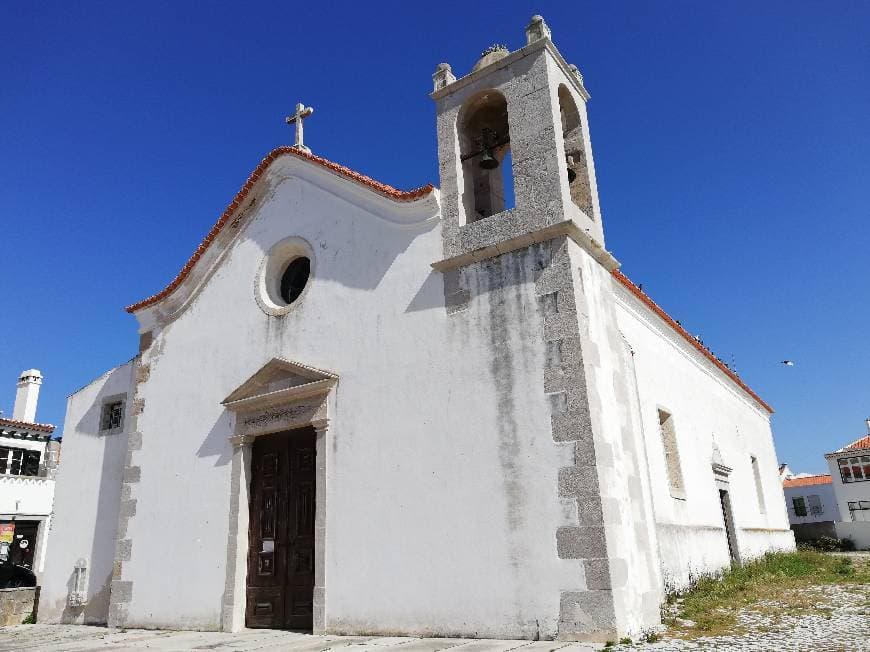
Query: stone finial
(443,76)
(490,55)
(576,72)
(537,29)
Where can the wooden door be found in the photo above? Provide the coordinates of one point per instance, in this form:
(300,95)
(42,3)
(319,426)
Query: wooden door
(280,586)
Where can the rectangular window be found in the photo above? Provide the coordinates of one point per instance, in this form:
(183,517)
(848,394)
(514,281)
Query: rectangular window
(758,490)
(800,507)
(860,511)
(17,461)
(112,417)
(854,469)
(815,505)
(30,464)
(15,458)
(672,454)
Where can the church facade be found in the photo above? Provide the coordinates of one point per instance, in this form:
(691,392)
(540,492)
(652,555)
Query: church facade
(440,412)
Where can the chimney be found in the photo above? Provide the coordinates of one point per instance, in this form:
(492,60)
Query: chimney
(26,396)
(867,423)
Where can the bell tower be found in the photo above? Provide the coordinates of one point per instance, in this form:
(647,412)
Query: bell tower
(515,127)
(525,270)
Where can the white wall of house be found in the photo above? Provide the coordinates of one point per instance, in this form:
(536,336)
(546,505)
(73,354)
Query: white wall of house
(86,504)
(707,407)
(858,532)
(25,496)
(823,493)
(855,492)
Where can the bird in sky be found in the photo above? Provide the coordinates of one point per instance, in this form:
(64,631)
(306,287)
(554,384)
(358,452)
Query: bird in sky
(788,363)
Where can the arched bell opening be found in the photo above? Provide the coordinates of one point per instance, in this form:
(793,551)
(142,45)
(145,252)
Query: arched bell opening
(575,153)
(485,148)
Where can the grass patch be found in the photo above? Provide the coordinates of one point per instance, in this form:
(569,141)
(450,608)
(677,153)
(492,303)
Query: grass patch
(775,585)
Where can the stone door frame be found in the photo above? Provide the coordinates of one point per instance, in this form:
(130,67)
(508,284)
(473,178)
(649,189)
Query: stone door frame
(261,410)
(722,480)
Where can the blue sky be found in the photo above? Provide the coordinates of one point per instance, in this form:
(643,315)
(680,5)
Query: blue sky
(730,141)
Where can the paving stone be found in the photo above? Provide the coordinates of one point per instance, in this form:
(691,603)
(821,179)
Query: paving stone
(430,644)
(489,645)
(847,628)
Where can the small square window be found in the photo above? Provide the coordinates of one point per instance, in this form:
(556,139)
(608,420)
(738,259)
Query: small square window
(112,417)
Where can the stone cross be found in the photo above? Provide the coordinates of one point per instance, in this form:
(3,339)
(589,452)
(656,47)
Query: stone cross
(302,112)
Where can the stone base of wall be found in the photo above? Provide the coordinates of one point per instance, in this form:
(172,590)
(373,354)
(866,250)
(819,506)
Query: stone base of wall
(17,604)
(859,533)
(813,531)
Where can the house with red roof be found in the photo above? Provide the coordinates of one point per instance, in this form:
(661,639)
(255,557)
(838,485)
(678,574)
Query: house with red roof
(442,411)
(28,461)
(850,474)
(810,499)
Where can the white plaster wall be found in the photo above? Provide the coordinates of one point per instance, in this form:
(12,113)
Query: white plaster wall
(620,455)
(825,492)
(25,496)
(847,492)
(859,533)
(442,498)
(705,406)
(85,504)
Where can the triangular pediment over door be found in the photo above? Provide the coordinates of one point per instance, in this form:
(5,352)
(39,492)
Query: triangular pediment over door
(280,381)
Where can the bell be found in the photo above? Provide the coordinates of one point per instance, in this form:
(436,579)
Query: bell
(571,174)
(488,161)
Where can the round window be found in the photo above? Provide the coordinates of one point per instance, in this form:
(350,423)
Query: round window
(285,276)
(294,279)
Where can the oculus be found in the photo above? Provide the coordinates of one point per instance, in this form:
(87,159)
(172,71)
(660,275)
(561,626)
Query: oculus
(285,276)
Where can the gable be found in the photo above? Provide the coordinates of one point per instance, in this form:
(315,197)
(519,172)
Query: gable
(413,206)
(277,381)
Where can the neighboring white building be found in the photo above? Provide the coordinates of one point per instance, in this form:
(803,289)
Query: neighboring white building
(850,470)
(810,499)
(28,458)
(361,410)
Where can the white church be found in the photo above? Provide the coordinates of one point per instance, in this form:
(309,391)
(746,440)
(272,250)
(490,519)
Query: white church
(438,412)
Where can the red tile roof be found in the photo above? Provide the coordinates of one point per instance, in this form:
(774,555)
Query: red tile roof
(377,186)
(12,423)
(644,298)
(806,482)
(864,442)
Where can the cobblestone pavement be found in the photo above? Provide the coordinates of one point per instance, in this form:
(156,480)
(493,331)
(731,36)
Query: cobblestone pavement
(80,638)
(844,627)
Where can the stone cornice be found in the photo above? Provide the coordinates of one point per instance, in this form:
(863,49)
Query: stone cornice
(568,228)
(282,396)
(513,57)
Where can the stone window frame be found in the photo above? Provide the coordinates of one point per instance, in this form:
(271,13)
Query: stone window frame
(676,480)
(105,404)
(267,283)
(759,490)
